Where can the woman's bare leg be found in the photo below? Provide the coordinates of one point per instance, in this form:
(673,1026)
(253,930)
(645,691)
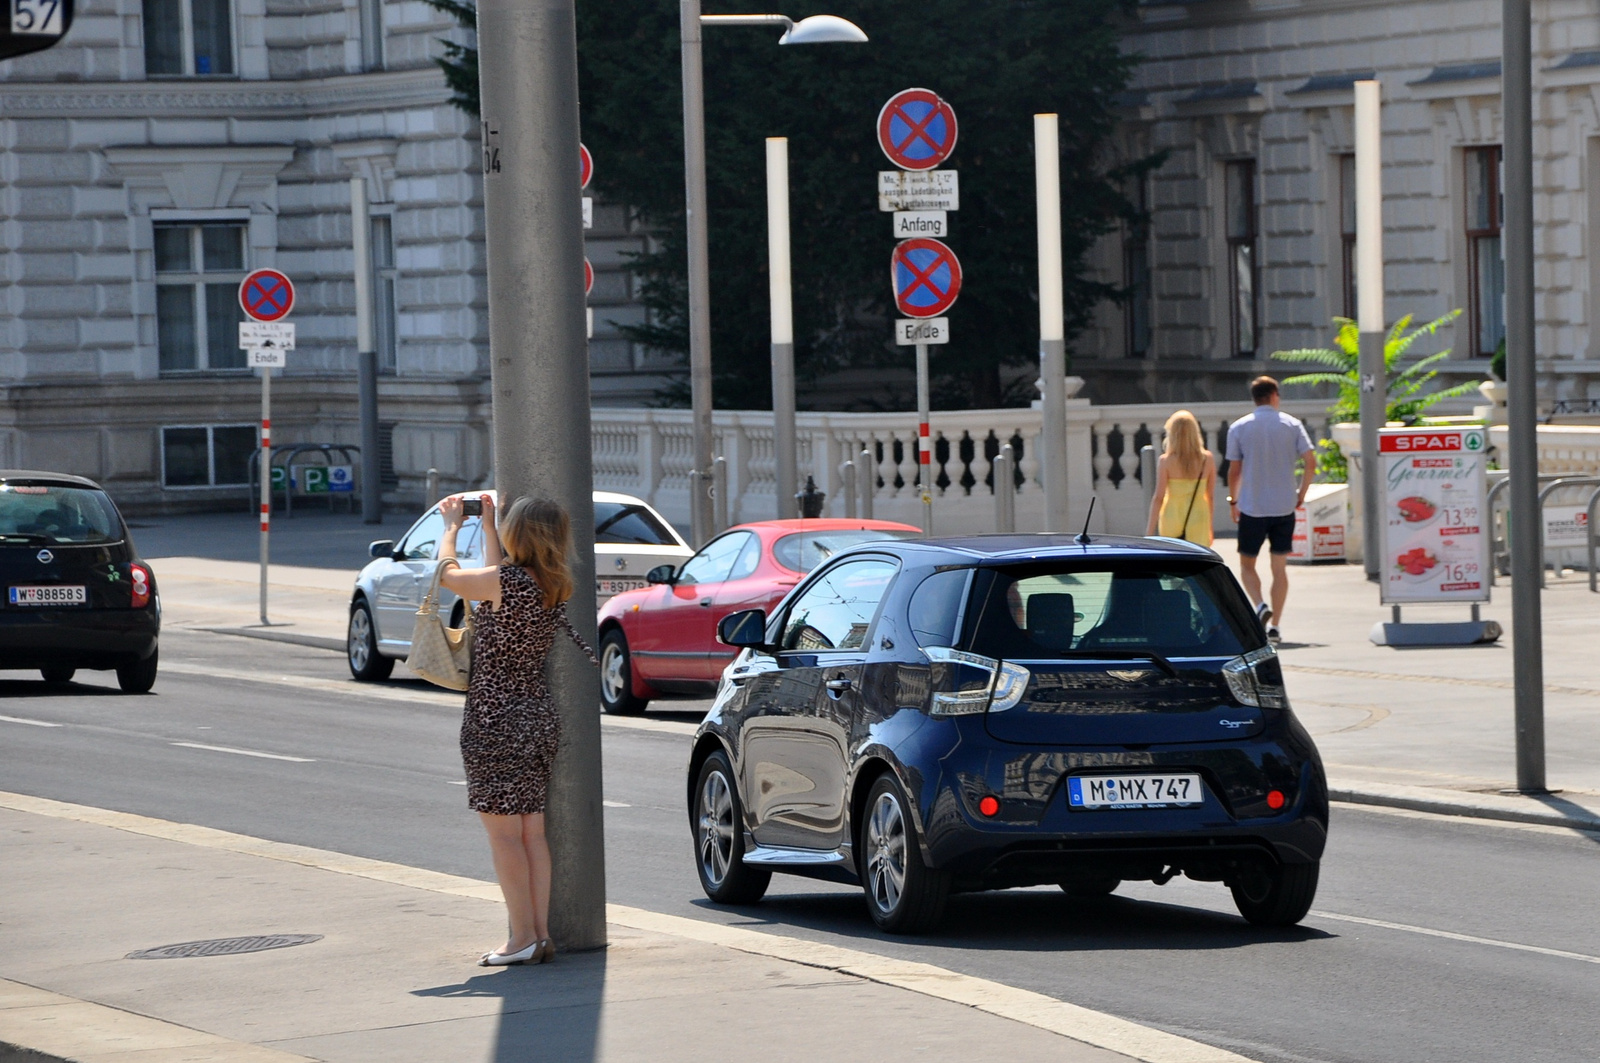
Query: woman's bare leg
(511,868)
(537,854)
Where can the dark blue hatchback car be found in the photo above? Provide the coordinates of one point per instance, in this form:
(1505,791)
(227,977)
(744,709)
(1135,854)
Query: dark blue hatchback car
(970,714)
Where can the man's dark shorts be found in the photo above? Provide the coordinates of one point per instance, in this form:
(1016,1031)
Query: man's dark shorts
(1253,531)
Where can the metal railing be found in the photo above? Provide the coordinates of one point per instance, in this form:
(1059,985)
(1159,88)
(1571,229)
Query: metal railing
(284,458)
(1557,485)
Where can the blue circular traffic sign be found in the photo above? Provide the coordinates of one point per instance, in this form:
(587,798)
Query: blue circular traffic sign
(917,129)
(266,295)
(927,277)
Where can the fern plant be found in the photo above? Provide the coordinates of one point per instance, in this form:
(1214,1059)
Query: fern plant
(1405,396)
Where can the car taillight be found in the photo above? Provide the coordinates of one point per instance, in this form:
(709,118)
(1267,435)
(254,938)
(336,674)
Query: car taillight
(969,683)
(1276,799)
(989,805)
(139,576)
(1257,679)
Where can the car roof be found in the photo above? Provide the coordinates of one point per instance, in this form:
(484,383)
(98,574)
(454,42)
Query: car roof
(1046,546)
(598,496)
(813,524)
(65,479)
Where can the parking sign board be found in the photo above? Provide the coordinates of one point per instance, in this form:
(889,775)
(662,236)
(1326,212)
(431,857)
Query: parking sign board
(917,129)
(266,295)
(926,277)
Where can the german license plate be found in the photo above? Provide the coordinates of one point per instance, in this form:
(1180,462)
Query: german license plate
(617,586)
(1148,790)
(50,594)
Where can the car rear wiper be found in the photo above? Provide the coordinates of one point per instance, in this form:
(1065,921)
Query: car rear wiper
(1122,655)
(22,537)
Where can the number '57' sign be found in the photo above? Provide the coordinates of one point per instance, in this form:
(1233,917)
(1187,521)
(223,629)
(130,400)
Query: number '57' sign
(33,25)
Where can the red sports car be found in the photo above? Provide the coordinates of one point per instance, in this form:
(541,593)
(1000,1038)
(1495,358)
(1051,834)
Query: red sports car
(661,640)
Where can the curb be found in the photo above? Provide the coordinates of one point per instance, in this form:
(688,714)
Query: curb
(1507,808)
(320,642)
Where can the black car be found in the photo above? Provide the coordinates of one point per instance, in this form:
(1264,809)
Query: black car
(980,713)
(73,592)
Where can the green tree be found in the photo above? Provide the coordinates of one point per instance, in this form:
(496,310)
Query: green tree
(1405,396)
(997,63)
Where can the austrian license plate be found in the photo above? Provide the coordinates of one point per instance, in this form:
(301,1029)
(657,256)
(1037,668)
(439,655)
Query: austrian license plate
(50,594)
(1149,790)
(617,586)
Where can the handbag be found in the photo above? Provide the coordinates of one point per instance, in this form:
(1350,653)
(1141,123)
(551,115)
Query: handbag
(439,653)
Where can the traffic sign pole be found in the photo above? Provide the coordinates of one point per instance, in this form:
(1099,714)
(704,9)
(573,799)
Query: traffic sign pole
(924,444)
(366,356)
(266,481)
(785,460)
(1052,329)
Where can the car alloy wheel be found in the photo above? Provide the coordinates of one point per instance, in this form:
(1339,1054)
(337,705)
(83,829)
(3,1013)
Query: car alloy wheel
(718,827)
(616,677)
(361,647)
(886,852)
(904,895)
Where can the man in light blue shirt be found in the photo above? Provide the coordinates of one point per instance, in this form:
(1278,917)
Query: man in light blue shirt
(1263,494)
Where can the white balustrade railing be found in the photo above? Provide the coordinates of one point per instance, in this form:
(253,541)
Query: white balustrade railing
(648,453)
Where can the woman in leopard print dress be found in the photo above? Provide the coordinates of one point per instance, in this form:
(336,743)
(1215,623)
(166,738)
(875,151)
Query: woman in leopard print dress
(511,729)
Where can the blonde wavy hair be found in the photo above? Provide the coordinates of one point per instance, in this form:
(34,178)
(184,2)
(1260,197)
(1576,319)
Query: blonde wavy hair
(536,534)
(1186,447)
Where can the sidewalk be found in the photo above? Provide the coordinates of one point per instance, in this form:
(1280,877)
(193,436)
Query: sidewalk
(1428,729)
(389,973)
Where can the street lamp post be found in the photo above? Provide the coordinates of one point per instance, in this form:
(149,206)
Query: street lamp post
(818,29)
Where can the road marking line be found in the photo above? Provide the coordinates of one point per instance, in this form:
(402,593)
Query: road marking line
(246,752)
(615,804)
(1448,680)
(1019,1005)
(30,723)
(1452,936)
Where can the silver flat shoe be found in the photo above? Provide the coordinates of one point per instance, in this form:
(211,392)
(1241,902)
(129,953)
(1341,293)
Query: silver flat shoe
(509,959)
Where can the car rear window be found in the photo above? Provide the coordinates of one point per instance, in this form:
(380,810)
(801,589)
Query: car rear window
(1056,611)
(55,513)
(623,522)
(804,551)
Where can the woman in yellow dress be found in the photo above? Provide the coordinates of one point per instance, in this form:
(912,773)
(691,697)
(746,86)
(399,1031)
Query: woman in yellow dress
(1186,481)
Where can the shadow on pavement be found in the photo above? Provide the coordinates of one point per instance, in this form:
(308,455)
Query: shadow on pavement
(1029,921)
(308,539)
(549,1012)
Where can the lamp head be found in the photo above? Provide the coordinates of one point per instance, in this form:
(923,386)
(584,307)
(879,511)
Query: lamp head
(824,29)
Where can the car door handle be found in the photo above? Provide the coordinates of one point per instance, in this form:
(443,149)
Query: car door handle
(705,603)
(839,685)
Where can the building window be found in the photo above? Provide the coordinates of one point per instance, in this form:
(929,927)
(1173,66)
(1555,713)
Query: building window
(384,310)
(1485,267)
(1347,233)
(1240,180)
(1136,271)
(188,38)
(215,455)
(371,34)
(198,270)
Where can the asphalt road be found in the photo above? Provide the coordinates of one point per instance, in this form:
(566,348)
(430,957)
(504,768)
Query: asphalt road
(1432,939)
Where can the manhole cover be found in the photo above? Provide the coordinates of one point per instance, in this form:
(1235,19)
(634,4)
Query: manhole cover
(224,946)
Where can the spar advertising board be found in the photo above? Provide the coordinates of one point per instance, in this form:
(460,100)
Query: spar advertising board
(1435,525)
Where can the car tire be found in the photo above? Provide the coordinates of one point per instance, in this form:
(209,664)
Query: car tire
(361,647)
(719,837)
(57,673)
(1091,887)
(904,895)
(616,677)
(140,676)
(1275,895)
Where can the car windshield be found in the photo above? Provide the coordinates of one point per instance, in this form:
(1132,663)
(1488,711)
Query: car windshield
(1064,610)
(630,522)
(804,551)
(55,513)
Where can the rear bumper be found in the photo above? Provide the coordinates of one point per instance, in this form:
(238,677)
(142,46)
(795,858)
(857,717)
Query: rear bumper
(77,638)
(1037,838)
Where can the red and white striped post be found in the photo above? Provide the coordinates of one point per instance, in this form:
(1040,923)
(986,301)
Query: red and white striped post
(924,442)
(266,479)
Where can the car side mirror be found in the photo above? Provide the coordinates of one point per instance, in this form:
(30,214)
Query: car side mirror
(381,548)
(660,574)
(745,629)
